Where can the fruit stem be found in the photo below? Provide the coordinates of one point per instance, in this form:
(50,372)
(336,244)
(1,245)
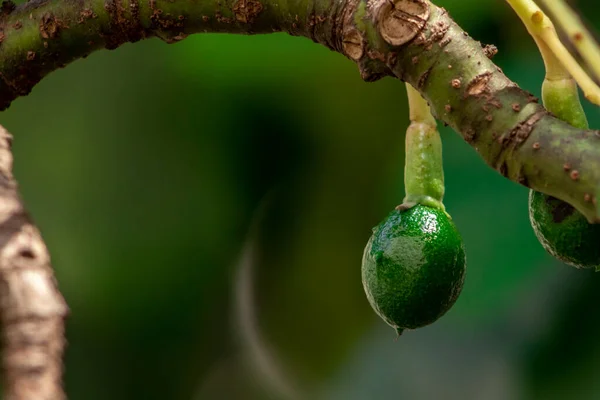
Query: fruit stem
(556,56)
(578,35)
(559,89)
(423,171)
(561,98)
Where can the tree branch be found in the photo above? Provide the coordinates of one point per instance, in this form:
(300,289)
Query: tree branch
(41,36)
(412,40)
(506,125)
(32,309)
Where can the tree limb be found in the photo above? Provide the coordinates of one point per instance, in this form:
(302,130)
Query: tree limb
(32,309)
(412,40)
(506,125)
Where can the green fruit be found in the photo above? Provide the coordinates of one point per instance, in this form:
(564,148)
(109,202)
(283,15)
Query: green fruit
(413,267)
(564,232)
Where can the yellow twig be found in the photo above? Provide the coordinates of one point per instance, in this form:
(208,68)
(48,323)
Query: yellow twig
(557,58)
(581,38)
(418,108)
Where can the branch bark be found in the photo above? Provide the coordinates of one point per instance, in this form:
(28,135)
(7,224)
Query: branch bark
(41,36)
(506,125)
(412,40)
(32,309)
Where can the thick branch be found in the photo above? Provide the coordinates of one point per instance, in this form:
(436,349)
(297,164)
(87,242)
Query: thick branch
(506,125)
(32,309)
(43,35)
(410,39)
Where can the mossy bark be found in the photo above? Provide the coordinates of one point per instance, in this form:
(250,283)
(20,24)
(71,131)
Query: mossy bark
(412,40)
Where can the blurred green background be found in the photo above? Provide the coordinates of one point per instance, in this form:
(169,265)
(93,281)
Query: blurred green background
(206,205)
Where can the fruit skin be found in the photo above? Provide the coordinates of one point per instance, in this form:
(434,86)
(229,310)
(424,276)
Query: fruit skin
(413,267)
(564,232)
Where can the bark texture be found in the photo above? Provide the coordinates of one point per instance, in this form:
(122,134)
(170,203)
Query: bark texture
(412,40)
(32,310)
(506,125)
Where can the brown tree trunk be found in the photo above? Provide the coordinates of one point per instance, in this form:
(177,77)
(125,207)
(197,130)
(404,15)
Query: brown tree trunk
(32,309)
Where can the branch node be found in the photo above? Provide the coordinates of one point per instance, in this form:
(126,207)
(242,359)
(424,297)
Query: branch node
(353,44)
(400,21)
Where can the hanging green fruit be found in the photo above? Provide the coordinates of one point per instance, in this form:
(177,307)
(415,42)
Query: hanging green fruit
(414,264)
(562,230)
